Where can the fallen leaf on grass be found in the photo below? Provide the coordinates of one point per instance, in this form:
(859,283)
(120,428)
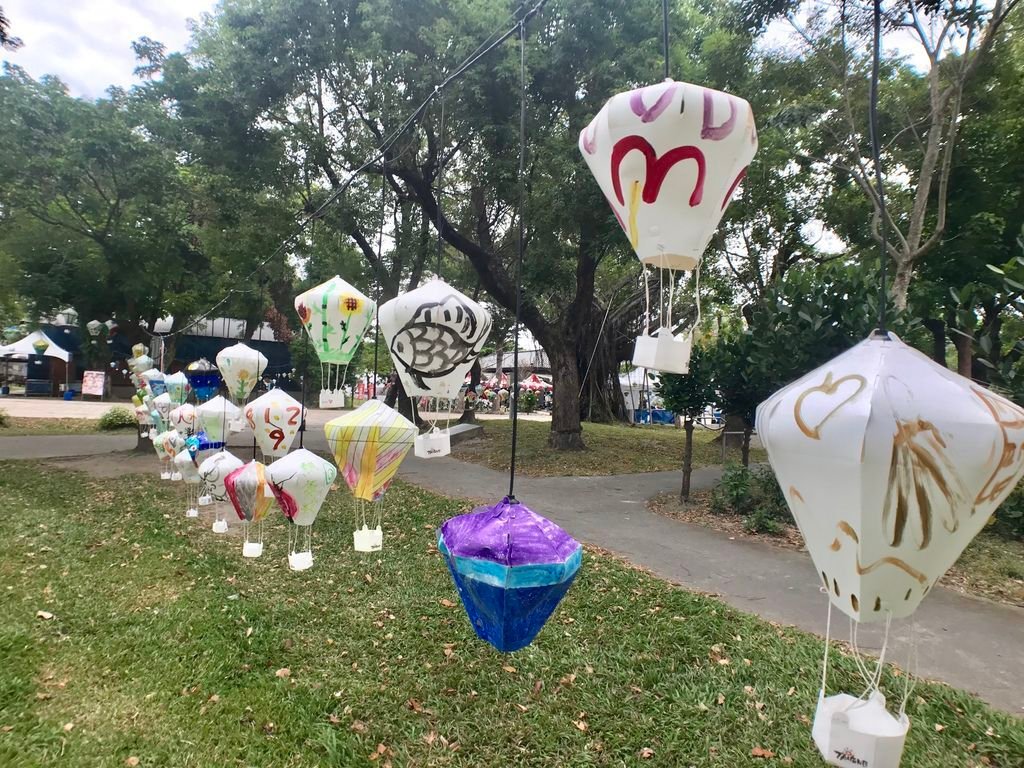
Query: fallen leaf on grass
(510,669)
(369,578)
(445,602)
(521,707)
(939,728)
(248,632)
(68,727)
(767,754)
(283,672)
(131,762)
(721,699)
(44,615)
(359,726)
(430,738)
(333,719)
(538,686)
(414,705)
(646,753)
(581,725)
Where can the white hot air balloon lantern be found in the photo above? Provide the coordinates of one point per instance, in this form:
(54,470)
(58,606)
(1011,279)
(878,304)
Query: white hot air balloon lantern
(185,463)
(668,158)
(183,419)
(300,482)
(336,317)
(212,472)
(214,417)
(274,418)
(891,464)
(434,334)
(241,367)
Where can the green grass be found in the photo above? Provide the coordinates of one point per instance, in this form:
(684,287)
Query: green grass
(992,566)
(164,645)
(612,449)
(20,426)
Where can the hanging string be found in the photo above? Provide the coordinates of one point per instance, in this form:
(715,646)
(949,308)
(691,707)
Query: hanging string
(440,186)
(376,272)
(664,33)
(519,257)
(876,155)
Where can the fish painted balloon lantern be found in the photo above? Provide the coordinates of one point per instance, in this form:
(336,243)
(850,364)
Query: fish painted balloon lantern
(215,416)
(336,317)
(204,379)
(434,334)
(213,470)
(274,418)
(668,158)
(511,567)
(368,445)
(300,482)
(891,464)
(241,366)
(250,495)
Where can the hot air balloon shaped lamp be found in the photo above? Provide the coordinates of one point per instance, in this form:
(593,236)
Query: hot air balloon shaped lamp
(185,461)
(300,482)
(178,387)
(204,379)
(511,567)
(335,316)
(891,464)
(250,495)
(434,335)
(241,367)
(213,470)
(668,158)
(368,445)
(274,418)
(215,417)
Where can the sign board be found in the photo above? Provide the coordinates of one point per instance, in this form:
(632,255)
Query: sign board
(92,382)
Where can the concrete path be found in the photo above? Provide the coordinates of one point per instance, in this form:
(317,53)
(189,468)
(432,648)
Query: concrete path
(971,643)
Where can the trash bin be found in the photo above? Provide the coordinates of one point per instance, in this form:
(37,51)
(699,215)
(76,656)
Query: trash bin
(69,394)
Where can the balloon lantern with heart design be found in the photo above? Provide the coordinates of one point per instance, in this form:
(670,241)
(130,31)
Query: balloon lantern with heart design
(668,158)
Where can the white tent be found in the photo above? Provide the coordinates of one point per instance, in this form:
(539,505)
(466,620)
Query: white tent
(24,347)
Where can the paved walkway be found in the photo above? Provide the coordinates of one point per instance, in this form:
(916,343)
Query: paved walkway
(971,643)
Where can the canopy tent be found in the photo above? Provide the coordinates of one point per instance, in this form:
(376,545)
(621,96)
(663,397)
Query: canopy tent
(26,347)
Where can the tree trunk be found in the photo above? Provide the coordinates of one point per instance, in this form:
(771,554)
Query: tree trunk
(400,401)
(566,430)
(469,412)
(937,328)
(684,492)
(746,446)
(143,444)
(964,353)
(901,283)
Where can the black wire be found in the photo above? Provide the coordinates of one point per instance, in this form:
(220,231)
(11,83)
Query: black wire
(440,197)
(519,258)
(378,154)
(877,158)
(664,32)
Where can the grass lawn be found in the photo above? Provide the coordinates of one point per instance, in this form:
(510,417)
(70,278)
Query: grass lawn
(161,646)
(19,426)
(612,449)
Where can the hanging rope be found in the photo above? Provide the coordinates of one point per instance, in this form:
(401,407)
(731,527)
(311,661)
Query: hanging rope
(440,187)
(876,155)
(376,272)
(519,257)
(664,32)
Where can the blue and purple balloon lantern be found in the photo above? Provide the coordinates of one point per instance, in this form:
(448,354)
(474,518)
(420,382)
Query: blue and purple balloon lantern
(204,378)
(511,567)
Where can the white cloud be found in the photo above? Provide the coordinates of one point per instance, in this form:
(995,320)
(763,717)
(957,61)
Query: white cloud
(87,43)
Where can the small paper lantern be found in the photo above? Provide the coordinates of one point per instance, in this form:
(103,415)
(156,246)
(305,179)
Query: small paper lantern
(250,495)
(300,482)
(204,379)
(335,316)
(891,464)
(212,471)
(241,366)
(185,464)
(154,379)
(368,445)
(40,345)
(434,334)
(183,419)
(274,418)
(668,158)
(138,350)
(214,417)
(177,387)
(511,567)
(140,364)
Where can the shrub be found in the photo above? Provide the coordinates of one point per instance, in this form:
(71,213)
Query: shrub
(736,487)
(5,420)
(754,495)
(118,417)
(528,401)
(1008,520)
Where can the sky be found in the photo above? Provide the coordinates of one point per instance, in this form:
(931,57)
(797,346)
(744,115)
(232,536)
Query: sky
(87,43)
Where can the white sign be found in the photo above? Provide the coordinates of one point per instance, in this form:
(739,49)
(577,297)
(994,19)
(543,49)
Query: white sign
(92,382)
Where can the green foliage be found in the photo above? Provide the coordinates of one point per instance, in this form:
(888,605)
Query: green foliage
(528,401)
(754,495)
(1009,518)
(117,417)
(689,395)
(5,419)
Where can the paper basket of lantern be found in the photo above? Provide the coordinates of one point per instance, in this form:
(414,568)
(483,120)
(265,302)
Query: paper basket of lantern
(241,367)
(214,416)
(212,471)
(434,334)
(511,567)
(274,418)
(368,445)
(668,158)
(851,731)
(300,482)
(203,378)
(335,316)
(250,495)
(890,464)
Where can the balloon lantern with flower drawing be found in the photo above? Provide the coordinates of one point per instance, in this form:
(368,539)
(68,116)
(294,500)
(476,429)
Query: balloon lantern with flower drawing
(241,366)
(890,464)
(300,482)
(335,316)
(434,334)
(668,158)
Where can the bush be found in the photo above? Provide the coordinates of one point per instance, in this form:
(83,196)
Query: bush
(1008,520)
(754,495)
(118,417)
(528,401)
(5,420)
